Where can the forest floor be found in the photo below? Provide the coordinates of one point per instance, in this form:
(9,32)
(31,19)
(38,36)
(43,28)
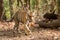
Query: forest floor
(37,34)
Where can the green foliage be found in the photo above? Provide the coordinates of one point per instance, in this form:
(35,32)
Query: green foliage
(32,3)
(6,8)
(41,4)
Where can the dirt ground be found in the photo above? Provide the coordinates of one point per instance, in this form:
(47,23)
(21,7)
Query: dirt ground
(37,33)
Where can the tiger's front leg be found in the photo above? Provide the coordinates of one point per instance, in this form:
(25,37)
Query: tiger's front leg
(27,30)
(16,26)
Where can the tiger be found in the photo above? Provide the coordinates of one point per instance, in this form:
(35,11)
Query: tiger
(21,16)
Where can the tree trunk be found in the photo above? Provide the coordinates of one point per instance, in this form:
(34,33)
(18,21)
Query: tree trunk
(27,4)
(51,5)
(58,6)
(11,7)
(20,2)
(1,8)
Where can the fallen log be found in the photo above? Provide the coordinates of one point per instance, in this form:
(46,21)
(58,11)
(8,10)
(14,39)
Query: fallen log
(53,24)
